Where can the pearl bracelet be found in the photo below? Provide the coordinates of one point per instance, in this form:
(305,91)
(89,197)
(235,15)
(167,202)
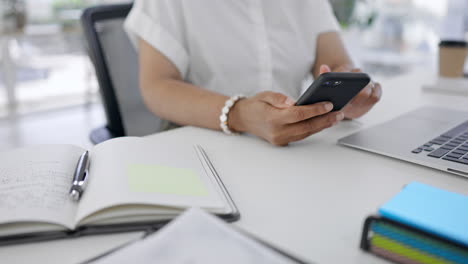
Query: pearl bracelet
(223,118)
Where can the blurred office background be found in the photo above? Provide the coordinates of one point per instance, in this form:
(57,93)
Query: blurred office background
(48,89)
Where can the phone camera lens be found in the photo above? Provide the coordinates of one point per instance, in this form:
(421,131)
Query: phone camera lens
(336,83)
(328,83)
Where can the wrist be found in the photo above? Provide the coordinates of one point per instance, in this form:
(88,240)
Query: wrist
(236,120)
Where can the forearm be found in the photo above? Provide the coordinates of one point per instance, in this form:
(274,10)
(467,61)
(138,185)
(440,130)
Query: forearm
(168,96)
(183,103)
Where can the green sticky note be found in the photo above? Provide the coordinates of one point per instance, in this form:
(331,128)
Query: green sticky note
(148,178)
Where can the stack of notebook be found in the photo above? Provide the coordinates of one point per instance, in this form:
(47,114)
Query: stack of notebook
(421,224)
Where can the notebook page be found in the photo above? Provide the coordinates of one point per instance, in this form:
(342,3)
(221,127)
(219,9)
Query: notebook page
(34,184)
(126,171)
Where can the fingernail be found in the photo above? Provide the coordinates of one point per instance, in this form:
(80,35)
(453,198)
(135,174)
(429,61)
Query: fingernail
(289,101)
(328,107)
(340,116)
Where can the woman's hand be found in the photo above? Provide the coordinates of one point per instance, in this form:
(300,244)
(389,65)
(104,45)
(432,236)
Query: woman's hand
(273,117)
(364,100)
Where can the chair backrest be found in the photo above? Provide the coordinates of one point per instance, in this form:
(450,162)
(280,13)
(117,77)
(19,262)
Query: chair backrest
(116,65)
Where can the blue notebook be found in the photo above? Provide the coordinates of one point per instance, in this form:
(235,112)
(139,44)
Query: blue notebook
(433,210)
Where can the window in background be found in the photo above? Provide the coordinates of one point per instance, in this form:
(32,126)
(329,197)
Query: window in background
(44,64)
(391,37)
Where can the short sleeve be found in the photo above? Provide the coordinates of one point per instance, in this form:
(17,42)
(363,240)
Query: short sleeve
(327,21)
(160,23)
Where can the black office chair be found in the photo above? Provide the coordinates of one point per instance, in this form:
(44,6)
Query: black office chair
(116,65)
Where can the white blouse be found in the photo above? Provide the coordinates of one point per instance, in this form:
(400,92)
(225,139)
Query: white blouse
(235,46)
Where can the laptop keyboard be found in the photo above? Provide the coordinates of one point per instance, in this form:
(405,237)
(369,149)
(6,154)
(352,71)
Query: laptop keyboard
(451,146)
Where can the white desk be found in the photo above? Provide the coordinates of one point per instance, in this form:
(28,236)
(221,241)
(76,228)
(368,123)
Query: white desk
(309,198)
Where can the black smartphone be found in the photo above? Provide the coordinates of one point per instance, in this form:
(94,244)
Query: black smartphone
(335,87)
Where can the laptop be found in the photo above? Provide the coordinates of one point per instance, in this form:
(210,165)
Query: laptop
(430,136)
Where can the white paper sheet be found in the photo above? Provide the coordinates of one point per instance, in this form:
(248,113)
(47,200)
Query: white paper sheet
(196,238)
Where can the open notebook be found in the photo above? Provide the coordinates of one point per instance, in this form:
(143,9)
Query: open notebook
(132,185)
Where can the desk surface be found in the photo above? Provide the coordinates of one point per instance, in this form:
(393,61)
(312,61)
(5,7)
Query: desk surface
(309,198)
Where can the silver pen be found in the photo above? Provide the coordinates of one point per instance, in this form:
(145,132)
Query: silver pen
(79,177)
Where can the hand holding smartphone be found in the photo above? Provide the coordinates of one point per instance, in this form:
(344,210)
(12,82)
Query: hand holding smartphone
(335,87)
